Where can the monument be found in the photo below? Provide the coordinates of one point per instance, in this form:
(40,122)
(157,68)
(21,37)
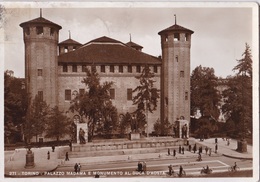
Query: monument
(29,159)
(82,133)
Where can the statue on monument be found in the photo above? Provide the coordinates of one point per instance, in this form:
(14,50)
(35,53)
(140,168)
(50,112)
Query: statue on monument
(82,136)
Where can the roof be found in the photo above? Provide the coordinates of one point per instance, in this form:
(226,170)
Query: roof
(132,44)
(40,21)
(176,28)
(105,50)
(69,42)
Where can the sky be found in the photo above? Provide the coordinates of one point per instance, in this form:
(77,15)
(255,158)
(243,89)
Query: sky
(219,38)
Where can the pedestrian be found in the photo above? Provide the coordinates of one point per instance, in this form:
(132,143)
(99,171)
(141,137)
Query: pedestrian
(206,149)
(216,140)
(200,149)
(139,167)
(216,148)
(70,145)
(76,167)
(180,171)
(79,167)
(169,153)
(67,156)
(170,169)
(179,149)
(182,149)
(189,147)
(174,153)
(144,167)
(209,151)
(48,155)
(195,148)
(228,142)
(53,148)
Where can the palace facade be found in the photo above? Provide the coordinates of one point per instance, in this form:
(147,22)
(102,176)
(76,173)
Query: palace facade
(54,70)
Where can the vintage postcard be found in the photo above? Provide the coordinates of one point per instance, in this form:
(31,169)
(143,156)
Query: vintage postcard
(136,91)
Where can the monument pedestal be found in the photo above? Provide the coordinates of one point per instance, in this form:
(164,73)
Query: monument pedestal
(134,136)
(29,159)
(242,145)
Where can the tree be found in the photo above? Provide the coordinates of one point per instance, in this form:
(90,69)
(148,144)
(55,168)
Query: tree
(147,96)
(162,128)
(15,106)
(58,124)
(204,95)
(36,119)
(125,122)
(206,126)
(238,96)
(95,103)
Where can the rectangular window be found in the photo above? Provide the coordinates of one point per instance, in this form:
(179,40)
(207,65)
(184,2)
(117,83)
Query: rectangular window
(67,94)
(176,37)
(103,69)
(129,69)
(186,95)
(155,70)
(182,74)
(112,93)
(138,69)
(39,72)
(39,30)
(74,68)
(40,95)
(81,92)
(129,94)
(84,68)
(27,30)
(121,69)
(112,69)
(52,31)
(65,68)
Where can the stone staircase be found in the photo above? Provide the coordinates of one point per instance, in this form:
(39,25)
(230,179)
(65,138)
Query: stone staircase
(127,147)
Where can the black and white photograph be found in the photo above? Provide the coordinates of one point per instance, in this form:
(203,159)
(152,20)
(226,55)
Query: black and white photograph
(136,91)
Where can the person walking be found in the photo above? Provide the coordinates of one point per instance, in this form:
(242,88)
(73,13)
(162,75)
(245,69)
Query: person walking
(48,155)
(144,167)
(179,149)
(181,171)
(53,148)
(76,167)
(67,156)
(216,140)
(195,148)
(139,167)
(174,153)
(170,169)
(216,148)
(79,167)
(206,149)
(209,151)
(182,149)
(70,145)
(169,152)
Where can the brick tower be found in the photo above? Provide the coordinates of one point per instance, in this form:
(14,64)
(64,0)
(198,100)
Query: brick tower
(175,77)
(41,42)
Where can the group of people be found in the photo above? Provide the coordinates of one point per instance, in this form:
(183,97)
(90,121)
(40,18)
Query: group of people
(77,167)
(141,166)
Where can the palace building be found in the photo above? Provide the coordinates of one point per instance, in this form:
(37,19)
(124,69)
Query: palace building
(54,70)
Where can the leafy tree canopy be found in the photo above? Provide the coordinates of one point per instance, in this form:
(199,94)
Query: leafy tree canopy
(204,93)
